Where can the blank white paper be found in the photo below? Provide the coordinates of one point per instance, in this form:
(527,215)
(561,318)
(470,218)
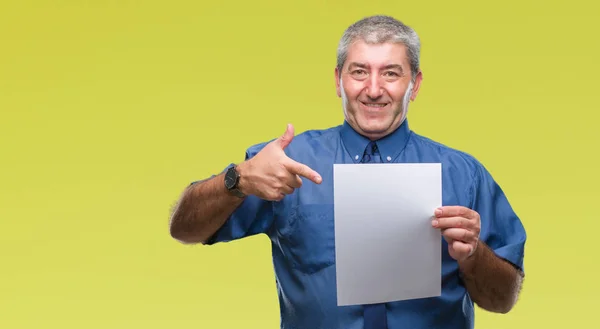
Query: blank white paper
(385,247)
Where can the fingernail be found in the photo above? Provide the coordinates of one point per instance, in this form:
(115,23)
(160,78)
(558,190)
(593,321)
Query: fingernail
(434,222)
(438,211)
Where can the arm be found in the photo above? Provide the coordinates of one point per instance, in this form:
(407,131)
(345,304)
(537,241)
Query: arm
(202,210)
(493,283)
(269,175)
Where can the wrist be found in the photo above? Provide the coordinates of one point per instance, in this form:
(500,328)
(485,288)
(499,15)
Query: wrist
(467,265)
(232,181)
(243,184)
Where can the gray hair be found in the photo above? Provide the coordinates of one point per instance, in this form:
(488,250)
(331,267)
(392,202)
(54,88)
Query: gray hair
(380,29)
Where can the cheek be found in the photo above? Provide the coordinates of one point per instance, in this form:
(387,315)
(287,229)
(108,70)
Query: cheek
(396,93)
(352,89)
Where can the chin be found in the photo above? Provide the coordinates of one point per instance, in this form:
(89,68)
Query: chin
(374,129)
(373,125)
(378,127)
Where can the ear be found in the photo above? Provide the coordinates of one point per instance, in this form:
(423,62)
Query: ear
(337,82)
(416,86)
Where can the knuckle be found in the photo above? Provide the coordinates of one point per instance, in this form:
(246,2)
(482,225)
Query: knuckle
(280,174)
(277,185)
(465,222)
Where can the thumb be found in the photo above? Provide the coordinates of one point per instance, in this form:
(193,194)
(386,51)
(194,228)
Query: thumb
(287,137)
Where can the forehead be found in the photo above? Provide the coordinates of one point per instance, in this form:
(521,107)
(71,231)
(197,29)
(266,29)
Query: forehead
(377,54)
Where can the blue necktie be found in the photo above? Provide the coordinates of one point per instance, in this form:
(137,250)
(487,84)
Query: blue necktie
(375,315)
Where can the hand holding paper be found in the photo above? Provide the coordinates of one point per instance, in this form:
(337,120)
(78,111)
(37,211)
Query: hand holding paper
(460,227)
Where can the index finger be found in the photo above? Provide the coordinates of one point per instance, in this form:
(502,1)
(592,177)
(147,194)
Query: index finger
(303,170)
(452,222)
(455,211)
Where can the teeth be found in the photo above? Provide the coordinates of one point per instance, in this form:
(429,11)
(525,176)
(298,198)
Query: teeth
(374,105)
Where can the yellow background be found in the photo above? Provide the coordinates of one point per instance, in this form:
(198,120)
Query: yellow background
(109,108)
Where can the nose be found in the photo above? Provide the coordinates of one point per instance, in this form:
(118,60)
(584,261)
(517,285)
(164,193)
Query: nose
(374,88)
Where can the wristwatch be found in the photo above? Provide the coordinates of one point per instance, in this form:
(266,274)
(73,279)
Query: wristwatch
(232,179)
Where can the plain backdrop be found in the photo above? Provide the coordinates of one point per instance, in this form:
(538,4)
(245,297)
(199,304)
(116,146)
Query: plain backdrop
(108,109)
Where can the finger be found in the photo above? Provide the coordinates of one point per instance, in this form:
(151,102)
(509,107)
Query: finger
(448,240)
(462,248)
(278,194)
(303,170)
(286,189)
(448,222)
(284,140)
(459,234)
(294,181)
(286,177)
(290,179)
(454,211)
(273,196)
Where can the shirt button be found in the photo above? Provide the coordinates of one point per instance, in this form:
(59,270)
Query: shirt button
(389,158)
(356,157)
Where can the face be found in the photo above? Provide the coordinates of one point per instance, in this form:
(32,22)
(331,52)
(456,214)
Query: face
(375,87)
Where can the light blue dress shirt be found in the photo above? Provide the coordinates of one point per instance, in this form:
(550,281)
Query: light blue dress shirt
(301,230)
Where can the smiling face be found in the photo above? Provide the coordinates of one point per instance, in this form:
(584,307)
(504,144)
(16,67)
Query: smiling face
(375,86)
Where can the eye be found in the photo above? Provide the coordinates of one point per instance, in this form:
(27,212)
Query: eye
(391,74)
(359,72)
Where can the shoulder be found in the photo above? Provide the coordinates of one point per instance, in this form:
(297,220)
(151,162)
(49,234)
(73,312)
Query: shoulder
(451,157)
(304,141)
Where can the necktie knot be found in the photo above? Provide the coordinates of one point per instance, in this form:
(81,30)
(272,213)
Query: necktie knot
(372,149)
(371,153)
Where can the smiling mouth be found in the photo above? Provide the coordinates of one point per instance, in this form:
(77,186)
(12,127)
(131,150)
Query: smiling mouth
(374,105)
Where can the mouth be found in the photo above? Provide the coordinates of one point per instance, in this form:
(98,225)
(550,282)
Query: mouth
(374,106)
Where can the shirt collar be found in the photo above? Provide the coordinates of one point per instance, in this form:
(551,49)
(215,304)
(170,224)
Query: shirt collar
(389,146)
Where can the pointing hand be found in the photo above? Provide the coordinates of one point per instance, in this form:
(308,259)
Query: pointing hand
(271,174)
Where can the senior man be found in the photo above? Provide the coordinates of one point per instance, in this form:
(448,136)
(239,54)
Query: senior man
(284,189)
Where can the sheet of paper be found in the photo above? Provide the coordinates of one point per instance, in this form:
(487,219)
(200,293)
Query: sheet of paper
(385,247)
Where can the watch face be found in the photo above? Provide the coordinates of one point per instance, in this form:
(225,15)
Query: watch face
(230,178)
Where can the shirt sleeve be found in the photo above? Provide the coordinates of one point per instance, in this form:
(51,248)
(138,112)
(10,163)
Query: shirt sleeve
(501,228)
(252,217)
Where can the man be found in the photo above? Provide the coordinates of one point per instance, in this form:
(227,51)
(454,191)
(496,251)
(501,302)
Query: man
(284,189)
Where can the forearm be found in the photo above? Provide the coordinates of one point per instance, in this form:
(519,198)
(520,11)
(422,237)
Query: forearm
(202,210)
(492,283)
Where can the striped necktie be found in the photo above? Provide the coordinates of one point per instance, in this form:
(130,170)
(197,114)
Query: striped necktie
(375,315)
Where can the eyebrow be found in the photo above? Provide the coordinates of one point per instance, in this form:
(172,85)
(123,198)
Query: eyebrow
(361,65)
(386,67)
(394,66)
